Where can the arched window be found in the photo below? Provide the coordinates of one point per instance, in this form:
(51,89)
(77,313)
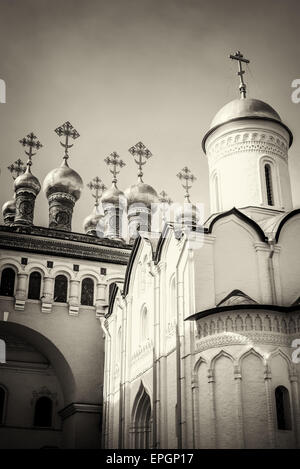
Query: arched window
(43,412)
(7,286)
(269,185)
(144,324)
(87,292)
(142,421)
(2,404)
(34,289)
(61,289)
(283,408)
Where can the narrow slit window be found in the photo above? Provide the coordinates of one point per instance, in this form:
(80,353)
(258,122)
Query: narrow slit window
(283,408)
(269,186)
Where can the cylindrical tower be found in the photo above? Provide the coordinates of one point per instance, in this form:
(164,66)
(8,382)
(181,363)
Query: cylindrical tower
(141,198)
(27,186)
(247,150)
(113,201)
(93,224)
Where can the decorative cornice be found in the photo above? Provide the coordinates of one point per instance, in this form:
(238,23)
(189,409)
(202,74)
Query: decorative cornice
(248,141)
(63,244)
(78,407)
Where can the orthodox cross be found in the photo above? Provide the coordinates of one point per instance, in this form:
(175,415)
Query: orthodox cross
(240,58)
(143,155)
(67,130)
(113,161)
(16,168)
(32,143)
(96,185)
(165,201)
(187,177)
(164,198)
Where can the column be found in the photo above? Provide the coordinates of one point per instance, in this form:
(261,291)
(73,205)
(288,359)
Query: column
(21,291)
(101,298)
(268,385)
(47,296)
(239,408)
(295,407)
(74,297)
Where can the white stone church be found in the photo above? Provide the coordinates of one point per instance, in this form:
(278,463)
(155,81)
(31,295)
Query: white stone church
(186,338)
(199,340)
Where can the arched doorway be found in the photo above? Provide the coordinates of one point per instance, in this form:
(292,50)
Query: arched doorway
(38,383)
(142,420)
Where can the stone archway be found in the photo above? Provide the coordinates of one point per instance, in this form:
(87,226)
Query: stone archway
(34,368)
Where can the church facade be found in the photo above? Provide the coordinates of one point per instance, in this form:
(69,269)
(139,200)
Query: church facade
(202,337)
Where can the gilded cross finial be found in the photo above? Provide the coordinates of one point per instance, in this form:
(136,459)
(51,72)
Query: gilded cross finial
(143,154)
(240,58)
(32,143)
(164,198)
(17,168)
(96,185)
(113,161)
(67,130)
(187,177)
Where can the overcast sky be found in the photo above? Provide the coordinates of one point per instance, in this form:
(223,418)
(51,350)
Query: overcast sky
(127,70)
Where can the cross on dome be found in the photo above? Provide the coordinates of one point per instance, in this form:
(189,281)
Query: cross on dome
(68,131)
(96,185)
(241,59)
(16,168)
(143,154)
(187,177)
(113,161)
(32,143)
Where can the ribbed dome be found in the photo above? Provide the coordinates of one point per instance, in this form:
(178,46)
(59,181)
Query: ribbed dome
(113,196)
(27,181)
(243,108)
(9,207)
(63,179)
(92,221)
(141,193)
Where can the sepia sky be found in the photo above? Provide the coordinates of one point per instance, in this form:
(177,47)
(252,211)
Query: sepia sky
(127,70)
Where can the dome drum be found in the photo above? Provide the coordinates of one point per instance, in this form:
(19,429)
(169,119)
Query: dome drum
(60,211)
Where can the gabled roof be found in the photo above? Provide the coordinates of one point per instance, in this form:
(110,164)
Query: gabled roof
(236,297)
(237,213)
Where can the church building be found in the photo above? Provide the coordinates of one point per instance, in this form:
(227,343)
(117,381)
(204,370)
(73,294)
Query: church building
(201,336)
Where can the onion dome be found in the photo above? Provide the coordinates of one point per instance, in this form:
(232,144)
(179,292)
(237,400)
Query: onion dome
(243,109)
(9,211)
(94,222)
(63,179)
(27,181)
(9,207)
(141,193)
(113,196)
